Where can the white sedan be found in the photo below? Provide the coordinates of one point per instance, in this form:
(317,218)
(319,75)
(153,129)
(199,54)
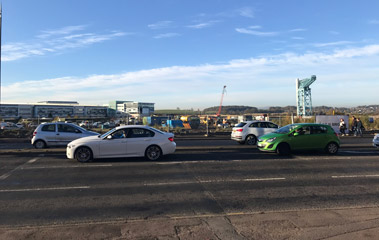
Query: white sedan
(124,141)
(375,141)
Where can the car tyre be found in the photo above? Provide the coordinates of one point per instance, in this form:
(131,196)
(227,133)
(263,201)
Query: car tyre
(332,148)
(39,144)
(283,149)
(83,154)
(251,140)
(153,153)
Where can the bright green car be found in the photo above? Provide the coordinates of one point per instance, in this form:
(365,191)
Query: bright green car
(300,136)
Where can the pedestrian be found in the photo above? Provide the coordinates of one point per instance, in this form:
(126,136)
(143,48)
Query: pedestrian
(353,125)
(342,127)
(359,128)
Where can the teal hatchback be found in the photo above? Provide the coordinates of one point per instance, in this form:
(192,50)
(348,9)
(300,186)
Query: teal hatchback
(300,136)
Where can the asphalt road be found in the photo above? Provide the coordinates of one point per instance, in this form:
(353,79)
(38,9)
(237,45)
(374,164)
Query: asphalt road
(38,188)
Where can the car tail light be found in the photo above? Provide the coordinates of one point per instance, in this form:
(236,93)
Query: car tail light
(171,139)
(239,130)
(34,133)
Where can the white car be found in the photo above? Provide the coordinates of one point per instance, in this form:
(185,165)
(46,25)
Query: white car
(58,134)
(375,141)
(249,131)
(123,141)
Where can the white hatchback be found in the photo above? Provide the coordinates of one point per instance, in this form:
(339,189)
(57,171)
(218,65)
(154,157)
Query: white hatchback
(249,131)
(123,141)
(58,134)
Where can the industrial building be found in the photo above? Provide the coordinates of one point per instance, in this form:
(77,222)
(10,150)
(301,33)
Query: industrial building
(134,109)
(52,109)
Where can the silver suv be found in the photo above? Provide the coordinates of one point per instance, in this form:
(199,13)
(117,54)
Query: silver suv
(58,134)
(249,131)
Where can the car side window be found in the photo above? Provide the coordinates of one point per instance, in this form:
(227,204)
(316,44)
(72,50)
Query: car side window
(304,130)
(67,128)
(262,125)
(119,134)
(254,124)
(139,133)
(319,130)
(49,128)
(271,125)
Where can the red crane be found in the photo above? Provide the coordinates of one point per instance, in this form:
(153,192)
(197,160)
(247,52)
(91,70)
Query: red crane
(222,98)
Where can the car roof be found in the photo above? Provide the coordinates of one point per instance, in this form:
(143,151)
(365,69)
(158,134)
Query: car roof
(132,126)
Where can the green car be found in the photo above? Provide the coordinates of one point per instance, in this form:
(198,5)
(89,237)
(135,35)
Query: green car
(300,136)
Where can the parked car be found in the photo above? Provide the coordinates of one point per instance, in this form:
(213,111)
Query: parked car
(249,131)
(300,136)
(375,141)
(8,126)
(123,141)
(58,134)
(19,125)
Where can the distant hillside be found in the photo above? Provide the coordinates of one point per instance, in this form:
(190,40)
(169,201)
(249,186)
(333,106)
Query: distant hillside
(322,110)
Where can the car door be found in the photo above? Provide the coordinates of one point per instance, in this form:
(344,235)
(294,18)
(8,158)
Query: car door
(114,145)
(256,128)
(300,138)
(49,133)
(138,139)
(67,133)
(319,136)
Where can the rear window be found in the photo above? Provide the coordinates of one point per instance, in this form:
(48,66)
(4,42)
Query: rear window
(241,124)
(48,128)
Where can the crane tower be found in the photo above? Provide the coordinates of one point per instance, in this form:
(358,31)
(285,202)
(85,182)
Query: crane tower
(222,98)
(303,96)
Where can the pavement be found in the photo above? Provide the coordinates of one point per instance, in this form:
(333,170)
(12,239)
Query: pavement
(334,224)
(344,224)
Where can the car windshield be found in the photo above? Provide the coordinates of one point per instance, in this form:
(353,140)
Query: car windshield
(107,133)
(287,129)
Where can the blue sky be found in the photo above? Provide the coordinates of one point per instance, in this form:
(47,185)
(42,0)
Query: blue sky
(181,53)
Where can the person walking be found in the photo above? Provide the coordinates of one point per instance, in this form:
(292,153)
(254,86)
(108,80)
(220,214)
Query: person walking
(342,127)
(358,129)
(354,125)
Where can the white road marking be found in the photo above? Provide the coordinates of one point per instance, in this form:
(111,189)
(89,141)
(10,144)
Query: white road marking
(6,175)
(215,181)
(44,189)
(73,166)
(356,176)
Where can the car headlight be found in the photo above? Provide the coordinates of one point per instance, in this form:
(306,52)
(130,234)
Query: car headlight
(271,139)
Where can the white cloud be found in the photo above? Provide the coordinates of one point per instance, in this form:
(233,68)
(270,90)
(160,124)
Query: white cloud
(160,25)
(61,31)
(332,44)
(298,30)
(167,35)
(246,12)
(256,33)
(55,41)
(243,78)
(203,25)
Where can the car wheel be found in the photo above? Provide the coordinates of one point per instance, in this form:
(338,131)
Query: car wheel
(83,154)
(283,149)
(251,140)
(39,144)
(332,148)
(153,153)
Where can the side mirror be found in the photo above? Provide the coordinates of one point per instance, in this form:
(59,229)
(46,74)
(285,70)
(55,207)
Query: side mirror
(109,137)
(296,134)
